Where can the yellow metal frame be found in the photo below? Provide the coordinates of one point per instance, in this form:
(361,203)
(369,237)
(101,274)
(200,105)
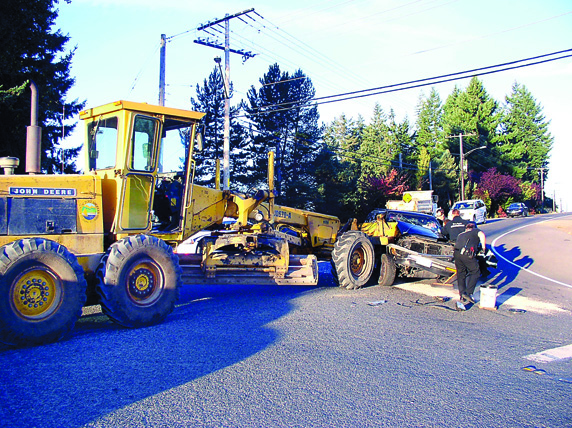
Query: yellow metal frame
(119,181)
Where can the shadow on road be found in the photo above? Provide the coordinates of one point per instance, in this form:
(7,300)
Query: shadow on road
(507,294)
(104,367)
(506,272)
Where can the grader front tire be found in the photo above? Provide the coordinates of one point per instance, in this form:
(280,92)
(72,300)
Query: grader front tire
(139,281)
(42,292)
(353,259)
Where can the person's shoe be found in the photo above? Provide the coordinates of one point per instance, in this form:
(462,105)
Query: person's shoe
(469,298)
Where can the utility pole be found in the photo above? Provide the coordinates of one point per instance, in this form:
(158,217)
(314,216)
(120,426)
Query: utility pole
(542,184)
(462,160)
(227,51)
(430,177)
(226,133)
(162,55)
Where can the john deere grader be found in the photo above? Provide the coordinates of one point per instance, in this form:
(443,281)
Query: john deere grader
(108,236)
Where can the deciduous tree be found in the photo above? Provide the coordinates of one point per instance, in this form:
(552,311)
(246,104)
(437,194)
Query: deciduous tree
(500,188)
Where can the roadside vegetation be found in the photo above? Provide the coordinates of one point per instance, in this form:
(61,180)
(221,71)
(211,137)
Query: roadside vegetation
(344,168)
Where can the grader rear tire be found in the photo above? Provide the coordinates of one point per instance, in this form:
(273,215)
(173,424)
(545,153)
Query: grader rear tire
(42,292)
(353,259)
(139,281)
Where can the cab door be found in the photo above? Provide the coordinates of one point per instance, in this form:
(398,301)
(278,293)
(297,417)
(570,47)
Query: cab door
(140,175)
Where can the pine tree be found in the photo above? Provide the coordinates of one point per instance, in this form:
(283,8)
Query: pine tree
(343,138)
(210,100)
(422,168)
(473,111)
(429,125)
(526,141)
(475,115)
(286,121)
(33,51)
(377,150)
(400,135)
(446,179)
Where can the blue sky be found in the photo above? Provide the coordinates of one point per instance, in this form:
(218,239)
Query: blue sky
(342,45)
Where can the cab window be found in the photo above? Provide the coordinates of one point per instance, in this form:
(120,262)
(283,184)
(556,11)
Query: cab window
(142,143)
(102,134)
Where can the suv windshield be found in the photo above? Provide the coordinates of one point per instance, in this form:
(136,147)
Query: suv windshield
(464,205)
(423,220)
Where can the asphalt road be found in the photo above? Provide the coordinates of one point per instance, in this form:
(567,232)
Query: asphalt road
(238,356)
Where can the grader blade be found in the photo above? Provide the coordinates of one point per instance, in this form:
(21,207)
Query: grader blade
(302,270)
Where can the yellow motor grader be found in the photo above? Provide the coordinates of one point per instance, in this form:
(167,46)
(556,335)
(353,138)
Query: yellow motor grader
(107,236)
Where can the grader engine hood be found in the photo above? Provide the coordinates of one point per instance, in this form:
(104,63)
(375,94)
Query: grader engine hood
(53,205)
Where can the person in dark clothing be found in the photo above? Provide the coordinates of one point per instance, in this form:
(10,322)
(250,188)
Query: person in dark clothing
(466,263)
(454,227)
(440,215)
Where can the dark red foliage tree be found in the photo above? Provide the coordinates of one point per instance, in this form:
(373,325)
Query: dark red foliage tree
(391,186)
(498,187)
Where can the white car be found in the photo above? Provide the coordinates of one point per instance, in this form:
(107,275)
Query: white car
(472,210)
(194,244)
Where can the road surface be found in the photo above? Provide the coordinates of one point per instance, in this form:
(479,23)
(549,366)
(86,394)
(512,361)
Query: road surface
(238,356)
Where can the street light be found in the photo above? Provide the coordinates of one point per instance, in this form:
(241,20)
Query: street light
(463,156)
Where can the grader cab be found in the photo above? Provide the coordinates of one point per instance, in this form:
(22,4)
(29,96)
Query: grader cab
(107,236)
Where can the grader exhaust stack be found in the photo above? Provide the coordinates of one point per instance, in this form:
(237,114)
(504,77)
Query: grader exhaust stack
(33,136)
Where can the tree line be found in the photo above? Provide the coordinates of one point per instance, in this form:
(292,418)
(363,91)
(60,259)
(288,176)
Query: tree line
(345,168)
(350,166)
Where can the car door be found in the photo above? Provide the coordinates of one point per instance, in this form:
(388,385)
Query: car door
(481,211)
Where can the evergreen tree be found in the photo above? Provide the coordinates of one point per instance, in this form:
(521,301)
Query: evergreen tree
(12,93)
(285,120)
(386,144)
(422,171)
(476,115)
(210,100)
(446,179)
(429,125)
(472,111)
(526,141)
(377,150)
(343,138)
(32,51)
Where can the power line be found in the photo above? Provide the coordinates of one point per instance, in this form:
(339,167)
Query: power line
(445,78)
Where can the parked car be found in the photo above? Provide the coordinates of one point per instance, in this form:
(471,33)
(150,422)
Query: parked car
(471,209)
(517,209)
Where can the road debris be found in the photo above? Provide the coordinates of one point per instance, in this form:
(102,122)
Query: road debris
(377,303)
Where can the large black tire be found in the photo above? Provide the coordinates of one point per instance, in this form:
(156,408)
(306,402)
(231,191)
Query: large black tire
(387,270)
(354,259)
(42,292)
(139,281)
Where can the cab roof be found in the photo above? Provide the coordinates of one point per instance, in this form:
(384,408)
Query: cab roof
(168,112)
